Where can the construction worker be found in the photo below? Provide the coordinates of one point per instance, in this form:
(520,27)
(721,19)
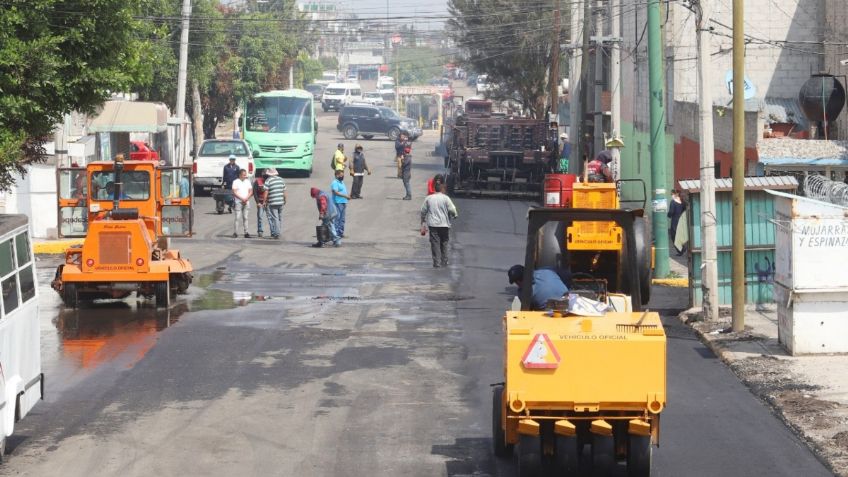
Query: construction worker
(599,170)
(547,285)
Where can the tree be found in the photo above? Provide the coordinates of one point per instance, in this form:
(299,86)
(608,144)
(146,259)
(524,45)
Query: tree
(510,41)
(57,56)
(417,65)
(330,63)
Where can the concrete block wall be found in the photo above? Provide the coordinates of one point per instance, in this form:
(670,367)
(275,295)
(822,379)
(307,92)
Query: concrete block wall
(777,69)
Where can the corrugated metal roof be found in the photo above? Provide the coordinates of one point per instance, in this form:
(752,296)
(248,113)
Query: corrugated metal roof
(751,183)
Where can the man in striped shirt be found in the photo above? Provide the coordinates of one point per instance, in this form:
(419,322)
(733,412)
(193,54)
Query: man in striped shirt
(276,187)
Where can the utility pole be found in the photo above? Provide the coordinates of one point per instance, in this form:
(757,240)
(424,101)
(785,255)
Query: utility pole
(615,85)
(554,74)
(183,72)
(656,84)
(598,116)
(291,75)
(738,249)
(709,270)
(181,81)
(575,165)
(574,85)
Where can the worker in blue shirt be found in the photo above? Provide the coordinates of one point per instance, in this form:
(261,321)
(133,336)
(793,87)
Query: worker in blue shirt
(547,285)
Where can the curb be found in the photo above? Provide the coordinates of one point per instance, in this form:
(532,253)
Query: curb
(672,282)
(54,247)
(724,356)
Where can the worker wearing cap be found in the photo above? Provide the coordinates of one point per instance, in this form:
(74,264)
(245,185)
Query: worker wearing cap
(547,285)
(339,159)
(231,173)
(564,152)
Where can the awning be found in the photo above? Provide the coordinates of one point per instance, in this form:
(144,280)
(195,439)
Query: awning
(131,117)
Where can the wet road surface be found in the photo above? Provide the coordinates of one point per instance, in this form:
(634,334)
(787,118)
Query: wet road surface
(358,361)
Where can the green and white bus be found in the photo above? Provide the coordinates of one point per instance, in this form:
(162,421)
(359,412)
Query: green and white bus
(280,128)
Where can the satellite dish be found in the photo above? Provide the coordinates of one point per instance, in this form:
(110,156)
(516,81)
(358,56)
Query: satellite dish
(749,89)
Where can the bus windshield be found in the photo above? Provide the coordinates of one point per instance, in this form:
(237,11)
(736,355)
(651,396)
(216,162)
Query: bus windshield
(279,115)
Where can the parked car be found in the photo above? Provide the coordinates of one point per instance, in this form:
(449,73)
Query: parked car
(471,80)
(386,85)
(352,78)
(214,154)
(337,95)
(441,82)
(368,121)
(316,89)
(373,98)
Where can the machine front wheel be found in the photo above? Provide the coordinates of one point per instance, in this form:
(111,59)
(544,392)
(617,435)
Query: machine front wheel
(70,296)
(499,445)
(638,456)
(163,294)
(528,456)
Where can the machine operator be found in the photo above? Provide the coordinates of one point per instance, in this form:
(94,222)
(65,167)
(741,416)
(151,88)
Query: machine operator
(547,285)
(599,170)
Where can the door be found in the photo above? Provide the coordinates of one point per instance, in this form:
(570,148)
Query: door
(174,199)
(72,201)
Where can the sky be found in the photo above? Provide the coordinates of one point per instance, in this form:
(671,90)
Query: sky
(397,8)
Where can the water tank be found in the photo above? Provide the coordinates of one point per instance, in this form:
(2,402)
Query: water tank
(821,94)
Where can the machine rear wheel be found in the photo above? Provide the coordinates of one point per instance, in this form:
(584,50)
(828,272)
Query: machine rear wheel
(603,455)
(567,455)
(499,445)
(528,456)
(638,456)
(219,206)
(70,295)
(163,294)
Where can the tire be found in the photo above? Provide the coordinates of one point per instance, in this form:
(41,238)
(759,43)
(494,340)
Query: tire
(350,132)
(394,133)
(368,136)
(567,456)
(603,455)
(528,456)
(162,292)
(70,296)
(219,206)
(639,456)
(499,445)
(642,237)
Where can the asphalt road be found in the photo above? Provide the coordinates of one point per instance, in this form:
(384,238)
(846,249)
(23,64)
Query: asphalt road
(356,361)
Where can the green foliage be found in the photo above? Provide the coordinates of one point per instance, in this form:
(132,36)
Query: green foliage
(329,63)
(417,65)
(510,41)
(307,70)
(57,56)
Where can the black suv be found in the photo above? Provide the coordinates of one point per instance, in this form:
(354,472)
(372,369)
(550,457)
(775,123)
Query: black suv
(367,121)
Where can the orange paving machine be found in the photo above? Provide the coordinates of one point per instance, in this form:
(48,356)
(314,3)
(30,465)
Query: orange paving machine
(126,210)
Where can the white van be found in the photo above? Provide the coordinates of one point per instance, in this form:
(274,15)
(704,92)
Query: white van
(337,95)
(483,84)
(386,85)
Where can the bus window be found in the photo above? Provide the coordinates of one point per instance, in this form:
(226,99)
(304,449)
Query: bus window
(10,294)
(280,115)
(22,249)
(7,258)
(27,284)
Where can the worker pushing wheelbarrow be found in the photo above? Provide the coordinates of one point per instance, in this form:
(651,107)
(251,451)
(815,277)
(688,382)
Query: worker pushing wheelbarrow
(223,199)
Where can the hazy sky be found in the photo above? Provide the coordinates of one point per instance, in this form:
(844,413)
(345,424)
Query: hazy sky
(368,8)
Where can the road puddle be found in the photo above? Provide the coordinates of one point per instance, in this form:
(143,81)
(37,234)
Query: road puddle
(113,332)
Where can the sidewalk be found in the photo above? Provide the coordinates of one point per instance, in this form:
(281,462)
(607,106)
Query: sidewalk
(809,393)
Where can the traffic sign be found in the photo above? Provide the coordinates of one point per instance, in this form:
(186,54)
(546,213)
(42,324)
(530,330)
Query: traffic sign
(541,353)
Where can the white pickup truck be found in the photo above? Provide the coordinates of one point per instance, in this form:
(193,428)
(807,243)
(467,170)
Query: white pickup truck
(208,166)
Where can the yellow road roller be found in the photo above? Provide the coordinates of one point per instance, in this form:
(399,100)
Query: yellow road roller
(583,388)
